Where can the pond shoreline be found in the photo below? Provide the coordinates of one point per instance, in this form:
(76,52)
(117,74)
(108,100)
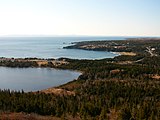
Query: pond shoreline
(32,79)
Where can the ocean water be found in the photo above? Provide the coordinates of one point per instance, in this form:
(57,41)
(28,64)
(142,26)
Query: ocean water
(50,47)
(34,79)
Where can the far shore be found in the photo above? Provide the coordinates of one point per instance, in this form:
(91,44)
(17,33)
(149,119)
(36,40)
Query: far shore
(39,61)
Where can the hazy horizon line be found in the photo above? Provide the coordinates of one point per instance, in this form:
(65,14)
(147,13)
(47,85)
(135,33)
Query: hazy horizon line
(75,36)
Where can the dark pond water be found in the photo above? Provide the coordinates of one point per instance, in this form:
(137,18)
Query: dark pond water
(33,79)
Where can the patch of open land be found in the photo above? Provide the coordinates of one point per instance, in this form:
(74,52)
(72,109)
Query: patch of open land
(156,77)
(58,91)
(32,116)
(127,53)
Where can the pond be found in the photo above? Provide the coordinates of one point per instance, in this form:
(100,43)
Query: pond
(34,79)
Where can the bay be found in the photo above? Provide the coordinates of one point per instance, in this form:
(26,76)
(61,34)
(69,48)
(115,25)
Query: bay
(50,47)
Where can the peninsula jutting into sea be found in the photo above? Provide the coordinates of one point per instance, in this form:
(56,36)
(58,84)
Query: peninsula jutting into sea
(106,88)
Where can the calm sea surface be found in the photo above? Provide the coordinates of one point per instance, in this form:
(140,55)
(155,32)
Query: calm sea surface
(33,79)
(50,47)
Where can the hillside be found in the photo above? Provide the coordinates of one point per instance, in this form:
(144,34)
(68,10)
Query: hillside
(126,87)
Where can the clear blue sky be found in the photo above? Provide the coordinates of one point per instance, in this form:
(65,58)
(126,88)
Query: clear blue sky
(80,17)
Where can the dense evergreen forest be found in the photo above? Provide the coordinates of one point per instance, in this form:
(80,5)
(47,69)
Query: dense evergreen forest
(122,88)
(130,99)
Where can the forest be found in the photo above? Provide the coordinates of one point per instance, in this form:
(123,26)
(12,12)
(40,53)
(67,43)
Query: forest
(120,88)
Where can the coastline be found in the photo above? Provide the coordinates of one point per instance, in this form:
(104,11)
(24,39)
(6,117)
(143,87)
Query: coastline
(51,63)
(41,63)
(125,53)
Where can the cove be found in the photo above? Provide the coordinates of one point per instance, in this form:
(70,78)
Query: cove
(50,47)
(34,79)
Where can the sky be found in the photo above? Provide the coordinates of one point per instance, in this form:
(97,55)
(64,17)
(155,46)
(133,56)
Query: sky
(80,17)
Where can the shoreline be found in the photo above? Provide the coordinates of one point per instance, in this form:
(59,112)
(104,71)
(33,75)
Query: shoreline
(125,53)
(42,63)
